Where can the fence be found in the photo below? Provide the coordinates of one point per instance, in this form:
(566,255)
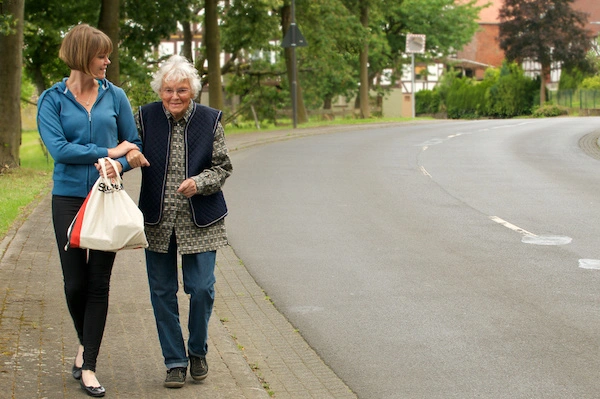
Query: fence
(582,99)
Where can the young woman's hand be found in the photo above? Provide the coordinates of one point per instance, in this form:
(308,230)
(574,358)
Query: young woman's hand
(110,171)
(123,148)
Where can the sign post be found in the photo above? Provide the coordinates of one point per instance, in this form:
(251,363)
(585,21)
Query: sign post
(414,44)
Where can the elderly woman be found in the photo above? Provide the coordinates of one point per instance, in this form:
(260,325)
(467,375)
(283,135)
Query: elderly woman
(184,211)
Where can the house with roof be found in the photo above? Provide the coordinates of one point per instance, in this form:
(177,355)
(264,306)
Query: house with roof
(484,50)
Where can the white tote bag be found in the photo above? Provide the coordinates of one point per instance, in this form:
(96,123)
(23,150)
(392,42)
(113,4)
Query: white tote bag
(108,220)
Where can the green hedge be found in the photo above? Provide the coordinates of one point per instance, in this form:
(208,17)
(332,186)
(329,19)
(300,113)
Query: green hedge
(503,93)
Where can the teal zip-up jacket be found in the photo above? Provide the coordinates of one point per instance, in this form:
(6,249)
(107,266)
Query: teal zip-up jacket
(76,139)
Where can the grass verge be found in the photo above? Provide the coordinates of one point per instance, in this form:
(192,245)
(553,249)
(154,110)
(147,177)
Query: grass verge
(22,188)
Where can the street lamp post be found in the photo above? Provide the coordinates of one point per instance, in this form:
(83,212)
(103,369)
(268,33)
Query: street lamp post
(293,38)
(294,71)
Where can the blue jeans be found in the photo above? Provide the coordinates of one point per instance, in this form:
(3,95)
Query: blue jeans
(198,282)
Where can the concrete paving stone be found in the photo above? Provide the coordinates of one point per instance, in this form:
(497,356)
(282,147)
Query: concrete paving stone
(38,341)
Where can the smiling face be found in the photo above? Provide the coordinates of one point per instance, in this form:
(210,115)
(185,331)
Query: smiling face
(98,66)
(176,97)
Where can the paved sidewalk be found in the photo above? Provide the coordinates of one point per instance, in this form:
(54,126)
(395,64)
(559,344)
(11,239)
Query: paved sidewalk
(254,352)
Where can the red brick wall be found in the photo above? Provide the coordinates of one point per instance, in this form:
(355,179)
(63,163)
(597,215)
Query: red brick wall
(484,47)
(488,51)
(592,8)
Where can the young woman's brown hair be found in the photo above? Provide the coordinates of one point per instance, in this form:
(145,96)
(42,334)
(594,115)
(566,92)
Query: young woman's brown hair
(81,45)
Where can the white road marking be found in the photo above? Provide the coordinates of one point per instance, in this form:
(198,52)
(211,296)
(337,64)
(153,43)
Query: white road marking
(592,264)
(530,238)
(546,240)
(511,226)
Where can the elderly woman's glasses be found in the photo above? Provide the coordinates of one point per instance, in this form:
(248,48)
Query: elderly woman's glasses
(180,92)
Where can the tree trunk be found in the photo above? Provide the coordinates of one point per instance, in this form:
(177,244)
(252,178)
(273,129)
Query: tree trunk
(186,49)
(365,112)
(213,53)
(109,24)
(38,80)
(286,21)
(544,74)
(200,61)
(11,47)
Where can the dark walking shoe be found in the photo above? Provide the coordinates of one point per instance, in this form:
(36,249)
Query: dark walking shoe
(198,367)
(76,372)
(175,377)
(96,392)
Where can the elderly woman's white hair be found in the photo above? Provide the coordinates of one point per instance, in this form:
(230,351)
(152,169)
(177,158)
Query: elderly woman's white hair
(175,70)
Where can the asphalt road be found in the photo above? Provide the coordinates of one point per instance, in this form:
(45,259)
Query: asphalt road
(446,260)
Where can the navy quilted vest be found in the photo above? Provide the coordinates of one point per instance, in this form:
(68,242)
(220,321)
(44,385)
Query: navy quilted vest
(156,138)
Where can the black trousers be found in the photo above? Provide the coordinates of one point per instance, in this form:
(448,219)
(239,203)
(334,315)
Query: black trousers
(86,276)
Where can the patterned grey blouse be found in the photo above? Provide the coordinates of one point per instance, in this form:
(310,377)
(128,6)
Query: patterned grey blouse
(177,216)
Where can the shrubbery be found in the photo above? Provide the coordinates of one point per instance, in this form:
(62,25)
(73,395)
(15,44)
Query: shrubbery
(592,83)
(503,93)
(512,94)
(549,110)
(427,102)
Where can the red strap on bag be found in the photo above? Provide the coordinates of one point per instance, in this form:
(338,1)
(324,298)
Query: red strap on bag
(74,232)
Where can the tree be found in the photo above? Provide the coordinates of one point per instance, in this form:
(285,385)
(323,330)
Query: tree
(389,21)
(46,24)
(325,68)
(544,31)
(328,66)
(454,27)
(213,53)
(142,25)
(109,24)
(11,43)
(362,9)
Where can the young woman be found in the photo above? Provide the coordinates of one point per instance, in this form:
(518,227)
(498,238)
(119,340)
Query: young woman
(80,119)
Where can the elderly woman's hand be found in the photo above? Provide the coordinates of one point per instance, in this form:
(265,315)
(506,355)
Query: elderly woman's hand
(187,188)
(136,159)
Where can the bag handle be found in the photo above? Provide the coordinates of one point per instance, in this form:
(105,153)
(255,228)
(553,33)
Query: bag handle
(118,179)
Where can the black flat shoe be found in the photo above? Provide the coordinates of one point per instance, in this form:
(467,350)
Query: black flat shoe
(96,392)
(76,372)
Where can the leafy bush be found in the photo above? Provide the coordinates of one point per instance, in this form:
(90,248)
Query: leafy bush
(503,93)
(570,78)
(467,99)
(549,111)
(591,83)
(512,94)
(427,102)
(444,86)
